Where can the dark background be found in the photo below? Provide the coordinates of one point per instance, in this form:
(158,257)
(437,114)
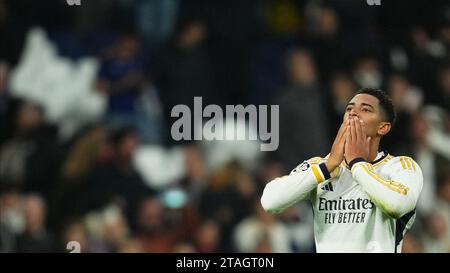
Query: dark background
(309,57)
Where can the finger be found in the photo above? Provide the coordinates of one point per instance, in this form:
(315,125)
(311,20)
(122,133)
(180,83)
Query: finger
(359,134)
(348,137)
(346,118)
(347,142)
(353,131)
(347,123)
(363,129)
(341,133)
(343,138)
(342,128)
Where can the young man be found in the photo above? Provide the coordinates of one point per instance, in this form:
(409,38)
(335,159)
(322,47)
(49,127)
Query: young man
(363,200)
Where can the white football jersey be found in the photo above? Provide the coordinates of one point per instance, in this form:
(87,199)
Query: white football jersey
(363,208)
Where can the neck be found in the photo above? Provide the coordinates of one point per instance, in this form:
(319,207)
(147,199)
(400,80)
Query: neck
(373,149)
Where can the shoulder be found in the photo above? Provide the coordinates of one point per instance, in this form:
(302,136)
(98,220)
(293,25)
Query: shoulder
(305,165)
(403,163)
(406,170)
(315,160)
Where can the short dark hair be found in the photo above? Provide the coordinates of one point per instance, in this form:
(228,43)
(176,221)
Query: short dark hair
(385,102)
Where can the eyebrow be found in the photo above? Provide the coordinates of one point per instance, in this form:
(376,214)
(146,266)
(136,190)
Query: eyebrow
(366,104)
(363,104)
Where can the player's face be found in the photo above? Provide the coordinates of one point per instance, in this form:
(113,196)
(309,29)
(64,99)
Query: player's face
(367,108)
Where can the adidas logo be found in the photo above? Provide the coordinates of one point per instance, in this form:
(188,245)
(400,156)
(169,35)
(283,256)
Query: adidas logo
(328,187)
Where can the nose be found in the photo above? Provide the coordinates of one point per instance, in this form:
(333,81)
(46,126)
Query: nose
(353,113)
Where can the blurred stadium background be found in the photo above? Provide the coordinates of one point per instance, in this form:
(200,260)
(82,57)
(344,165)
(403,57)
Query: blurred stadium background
(85,99)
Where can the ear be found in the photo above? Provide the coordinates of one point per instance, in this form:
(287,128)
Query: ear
(384,128)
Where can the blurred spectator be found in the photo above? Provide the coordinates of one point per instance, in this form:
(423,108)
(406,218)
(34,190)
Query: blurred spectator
(299,222)
(195,180)
(156,20)
(182,69)
(116,229)
(325,43)
(228,199)
(367,72)
(107,229)
(426,160)
(342,89)
(406,97)
(411,244)
(74,231)
(358,26)
(303,124)
(424,65)
(444,87)
(268,170)
(90,148)
(95,17)
(84,153)
(261,232)
(407,100)
(12,29)
(151,223)
(444,34)
(159,228)
(442,215)
(35,237)
(13,171)
(283,17)
(435,239)
(121,74)
(207,237)
(122,78)
(12,222)
(439,133)
(131,246)
(7,240)
(430,161)
(4,101)
(27,160)
(184,247)
(116,177)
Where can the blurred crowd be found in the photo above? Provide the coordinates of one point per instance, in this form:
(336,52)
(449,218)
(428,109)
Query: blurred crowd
(86,94)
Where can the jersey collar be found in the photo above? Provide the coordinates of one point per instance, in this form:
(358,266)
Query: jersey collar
(380,157)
